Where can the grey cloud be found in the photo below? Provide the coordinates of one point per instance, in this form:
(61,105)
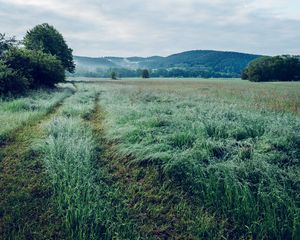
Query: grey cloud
(159,27)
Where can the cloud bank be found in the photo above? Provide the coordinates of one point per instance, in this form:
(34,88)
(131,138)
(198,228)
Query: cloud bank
(161,27)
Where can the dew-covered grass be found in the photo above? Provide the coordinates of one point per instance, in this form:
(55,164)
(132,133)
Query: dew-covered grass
(15,113)
(234,149)
(80,104)
(26,210)
(159,159)
(92,208)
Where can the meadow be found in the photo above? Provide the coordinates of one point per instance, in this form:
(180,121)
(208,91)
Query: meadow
(152,159)
(16,113)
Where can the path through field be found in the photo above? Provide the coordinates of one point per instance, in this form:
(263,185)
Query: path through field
(25,200)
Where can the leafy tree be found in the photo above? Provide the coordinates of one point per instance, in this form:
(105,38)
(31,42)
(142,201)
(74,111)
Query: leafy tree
(114,75)
(279,68)
(41,69)
(6,43)
(244,74)
(11,81)
(47,39)
(145,73)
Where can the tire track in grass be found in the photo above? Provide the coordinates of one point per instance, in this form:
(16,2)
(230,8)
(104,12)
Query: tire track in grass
(91,207)
(31,122)
(116,218)
(26,209)
(142,196)
(159,210)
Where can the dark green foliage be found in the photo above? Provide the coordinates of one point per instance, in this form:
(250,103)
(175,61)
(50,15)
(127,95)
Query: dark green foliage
(114,75)
(39,68)
(43,63)
(145,73)
(7,43)
(47,39)
(279,68)
(11,81)
(244,74)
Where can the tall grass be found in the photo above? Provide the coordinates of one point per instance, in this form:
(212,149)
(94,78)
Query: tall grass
(25,201)
(17,112)
(92,207)
(241,163)
(233,153)
(69,152)
(80,104)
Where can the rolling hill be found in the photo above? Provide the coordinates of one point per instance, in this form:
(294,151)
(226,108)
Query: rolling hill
(202,63)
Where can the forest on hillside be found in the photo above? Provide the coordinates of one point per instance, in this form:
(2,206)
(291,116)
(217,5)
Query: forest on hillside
(197,63)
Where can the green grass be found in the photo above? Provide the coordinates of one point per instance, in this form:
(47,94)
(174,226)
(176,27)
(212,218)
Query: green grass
(90,206)
(278,96)
(241,163)
(80,104)
(18,112)
(69,152)
(26,207)
(153,159)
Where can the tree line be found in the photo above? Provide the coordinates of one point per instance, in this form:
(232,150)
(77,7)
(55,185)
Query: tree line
(155,73)
(278,68)
(39,60)
(123,72)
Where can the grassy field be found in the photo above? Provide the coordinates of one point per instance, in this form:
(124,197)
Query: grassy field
(152,159)
(16,113)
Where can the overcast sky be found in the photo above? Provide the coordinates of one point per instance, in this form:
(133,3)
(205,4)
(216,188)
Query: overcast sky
(161,27)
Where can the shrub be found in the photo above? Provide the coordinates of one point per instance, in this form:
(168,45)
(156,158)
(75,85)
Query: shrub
(11,81)
(40,68)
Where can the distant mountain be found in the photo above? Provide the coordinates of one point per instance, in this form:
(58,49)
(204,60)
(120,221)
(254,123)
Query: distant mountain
(203,63)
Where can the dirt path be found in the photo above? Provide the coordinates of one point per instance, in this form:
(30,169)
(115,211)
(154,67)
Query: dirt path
(26,211)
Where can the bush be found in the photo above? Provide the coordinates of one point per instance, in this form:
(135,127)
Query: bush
(11,81)
(279,68)
(39,68)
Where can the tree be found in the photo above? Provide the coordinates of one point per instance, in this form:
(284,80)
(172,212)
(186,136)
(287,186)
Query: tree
(12,81)
(47,39)
(6,43)
(244,74)
(41,69)
(114,75)
(145,73)
(278,68)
